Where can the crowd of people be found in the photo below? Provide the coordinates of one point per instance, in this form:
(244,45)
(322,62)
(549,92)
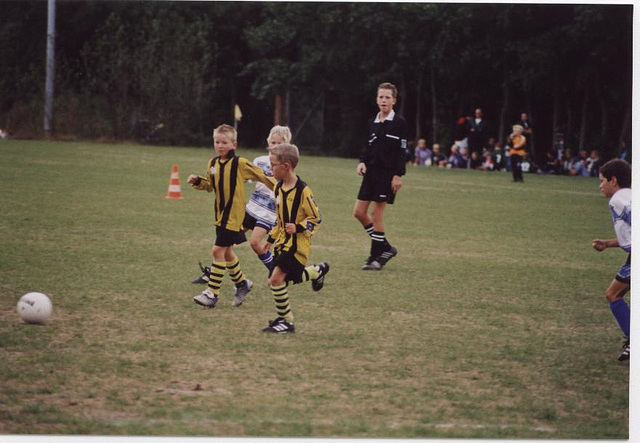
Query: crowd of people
(473,148)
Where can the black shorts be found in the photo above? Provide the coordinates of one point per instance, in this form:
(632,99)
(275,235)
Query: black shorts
(376,187)
(226,238)
(250,222)
(287,262)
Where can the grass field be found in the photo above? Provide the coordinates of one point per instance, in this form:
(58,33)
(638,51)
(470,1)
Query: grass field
(490,323)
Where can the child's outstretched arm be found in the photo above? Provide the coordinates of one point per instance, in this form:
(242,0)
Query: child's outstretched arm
(252,171)
(600,245)
(200,183)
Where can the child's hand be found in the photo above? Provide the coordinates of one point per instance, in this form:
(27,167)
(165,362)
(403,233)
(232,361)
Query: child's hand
(599,245)
(396,183)
(192,179)
(361,169)
(290,228)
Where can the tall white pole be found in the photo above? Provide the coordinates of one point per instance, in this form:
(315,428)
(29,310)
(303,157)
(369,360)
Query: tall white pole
(51,57)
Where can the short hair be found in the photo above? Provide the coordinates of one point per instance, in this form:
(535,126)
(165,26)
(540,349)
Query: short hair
(389,86)
(227,130)
(282,131)
(286,153)
(619,169)
(518,128)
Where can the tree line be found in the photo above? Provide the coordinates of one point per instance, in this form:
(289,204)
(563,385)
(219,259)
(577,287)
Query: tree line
(168,72)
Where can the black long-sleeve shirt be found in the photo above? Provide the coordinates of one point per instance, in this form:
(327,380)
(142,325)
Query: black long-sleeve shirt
(386,148)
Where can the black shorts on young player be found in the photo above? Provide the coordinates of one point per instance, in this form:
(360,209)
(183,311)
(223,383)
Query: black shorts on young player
(226,238)
(376,187)
(287,262)
(250,222)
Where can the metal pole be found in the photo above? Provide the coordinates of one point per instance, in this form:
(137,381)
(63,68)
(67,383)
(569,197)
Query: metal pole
(49,85)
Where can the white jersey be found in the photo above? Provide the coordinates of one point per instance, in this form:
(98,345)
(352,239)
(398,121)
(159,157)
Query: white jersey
(262,205)
(620,207)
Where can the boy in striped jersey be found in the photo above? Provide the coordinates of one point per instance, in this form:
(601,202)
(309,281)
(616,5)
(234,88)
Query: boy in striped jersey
(260,215)
(615,184)
(298,217)
(226,175)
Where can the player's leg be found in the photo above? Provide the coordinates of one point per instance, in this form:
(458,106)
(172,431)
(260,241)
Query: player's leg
(209,296)
(283,324)
(256,240)
(315,273)
(380,247)
(243,284)
(620,309)
(206,272)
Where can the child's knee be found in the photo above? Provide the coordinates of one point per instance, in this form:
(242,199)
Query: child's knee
(276,280)
(613,294)
(255,244)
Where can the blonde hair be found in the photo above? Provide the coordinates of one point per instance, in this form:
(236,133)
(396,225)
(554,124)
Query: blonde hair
(282,131)
(518,128)
(227,130)
(286,153)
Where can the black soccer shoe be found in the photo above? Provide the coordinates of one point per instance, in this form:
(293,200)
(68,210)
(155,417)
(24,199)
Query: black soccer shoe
(625,353)
(387,255)
(280,326)
(318,283)
(204,278)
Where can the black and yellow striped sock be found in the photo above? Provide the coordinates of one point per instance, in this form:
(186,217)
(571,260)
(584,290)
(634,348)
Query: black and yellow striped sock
(310,273)
(235,272)
(215,278)
(281,297)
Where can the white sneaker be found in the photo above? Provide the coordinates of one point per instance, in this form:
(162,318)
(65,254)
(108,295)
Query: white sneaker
(206,299)
(241,292)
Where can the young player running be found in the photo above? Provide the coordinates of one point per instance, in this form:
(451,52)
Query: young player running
(298,217)
(260,215)
(226,175)
(615,184)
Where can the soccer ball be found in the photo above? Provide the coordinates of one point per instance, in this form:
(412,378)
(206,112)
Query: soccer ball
(34,308)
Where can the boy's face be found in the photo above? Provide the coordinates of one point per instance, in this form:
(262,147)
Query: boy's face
(608,187)
(385,100)
(279,169)
(275,140)
(223,144)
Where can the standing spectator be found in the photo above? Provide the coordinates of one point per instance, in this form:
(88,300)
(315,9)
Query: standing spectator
(439,159)
(580,167)
(518,144)
(478,130)
(461,131)
(423,155)
(527,130)
(594,163)
(455,158)
(498,158)
(558,146)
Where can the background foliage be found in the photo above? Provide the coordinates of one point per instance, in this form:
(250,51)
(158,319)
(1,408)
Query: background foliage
(123,66)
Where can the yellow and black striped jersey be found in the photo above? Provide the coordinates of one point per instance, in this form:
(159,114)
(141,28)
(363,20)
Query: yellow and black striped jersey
(226,177)
(295,205)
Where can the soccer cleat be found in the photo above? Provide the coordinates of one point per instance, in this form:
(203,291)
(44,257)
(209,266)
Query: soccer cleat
(625,352)
(387,255)
(241,292)
(206,299)
(373,265)
(204,278)
(280,326)
(318,283)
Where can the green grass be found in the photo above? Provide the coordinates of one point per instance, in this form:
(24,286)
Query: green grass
(490,323)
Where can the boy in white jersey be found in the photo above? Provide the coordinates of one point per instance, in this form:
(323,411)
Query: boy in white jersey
(260,211)
(615,184)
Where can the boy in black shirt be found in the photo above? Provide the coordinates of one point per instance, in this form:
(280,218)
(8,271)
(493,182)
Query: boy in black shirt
(382,163)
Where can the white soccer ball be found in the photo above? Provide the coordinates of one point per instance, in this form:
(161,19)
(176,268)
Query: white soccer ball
(35,308)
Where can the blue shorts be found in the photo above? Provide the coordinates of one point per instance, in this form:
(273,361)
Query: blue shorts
(624,274)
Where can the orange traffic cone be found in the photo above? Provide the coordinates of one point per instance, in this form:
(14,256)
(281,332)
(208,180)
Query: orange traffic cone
(174,190)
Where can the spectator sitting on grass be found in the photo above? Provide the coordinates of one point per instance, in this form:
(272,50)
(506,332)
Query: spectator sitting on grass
(439,159)
(475,162)
(423,155)
(487,164)
(594,163)
(580,168)
(455,158)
